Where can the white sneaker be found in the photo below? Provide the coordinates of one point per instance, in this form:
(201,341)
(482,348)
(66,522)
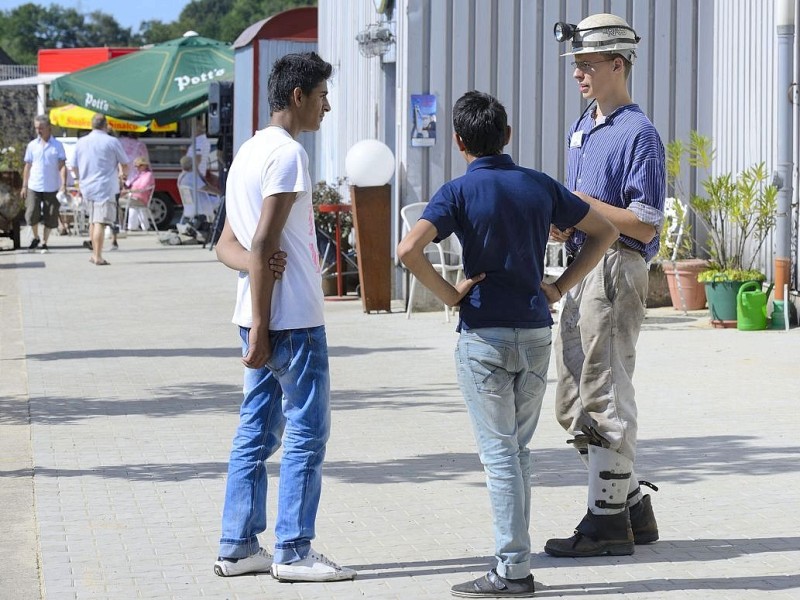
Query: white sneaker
(314,567)
(260,562)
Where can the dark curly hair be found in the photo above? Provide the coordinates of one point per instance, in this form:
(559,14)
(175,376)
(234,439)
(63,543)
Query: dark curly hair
(305,70)
(481,122)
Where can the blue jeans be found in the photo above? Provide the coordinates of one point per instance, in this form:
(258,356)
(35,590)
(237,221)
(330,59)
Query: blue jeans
(502,373)
(288,398)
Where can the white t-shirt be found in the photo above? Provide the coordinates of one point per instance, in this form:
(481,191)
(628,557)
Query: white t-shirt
(97,159)
(272,162)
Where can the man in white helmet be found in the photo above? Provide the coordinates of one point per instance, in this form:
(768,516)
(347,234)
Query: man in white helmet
(616,163)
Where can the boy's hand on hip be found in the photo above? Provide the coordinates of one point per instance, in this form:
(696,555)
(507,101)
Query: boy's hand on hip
(560,235)
(463,287)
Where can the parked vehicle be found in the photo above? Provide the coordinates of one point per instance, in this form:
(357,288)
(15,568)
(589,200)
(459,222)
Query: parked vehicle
(165,156)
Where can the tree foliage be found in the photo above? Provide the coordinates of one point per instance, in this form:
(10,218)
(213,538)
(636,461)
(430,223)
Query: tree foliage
(30,27)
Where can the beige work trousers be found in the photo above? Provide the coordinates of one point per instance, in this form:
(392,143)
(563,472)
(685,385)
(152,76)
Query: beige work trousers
(595,349)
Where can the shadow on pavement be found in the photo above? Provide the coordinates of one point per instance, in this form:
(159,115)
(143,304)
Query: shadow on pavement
(423,567)
(688,460)
(773,583)
(548,471)
(136,472)
(668,552)
(230,352)
(682,461)
(26,265)
(176,401)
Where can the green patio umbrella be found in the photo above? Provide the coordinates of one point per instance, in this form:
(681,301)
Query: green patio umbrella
(164,82)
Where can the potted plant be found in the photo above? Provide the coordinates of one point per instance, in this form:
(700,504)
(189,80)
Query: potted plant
(738,213)
(325,194)
(676,250)
(677,260)
(11,204)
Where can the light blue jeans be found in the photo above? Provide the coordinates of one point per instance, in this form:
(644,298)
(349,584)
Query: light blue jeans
(502,373)
(288,398)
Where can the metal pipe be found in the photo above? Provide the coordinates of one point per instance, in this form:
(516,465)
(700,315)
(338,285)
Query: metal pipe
(785,34)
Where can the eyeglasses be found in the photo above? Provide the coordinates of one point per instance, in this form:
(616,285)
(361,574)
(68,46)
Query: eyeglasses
(585,66)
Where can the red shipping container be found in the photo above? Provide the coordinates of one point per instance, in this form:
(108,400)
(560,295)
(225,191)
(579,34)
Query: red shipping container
(67,60)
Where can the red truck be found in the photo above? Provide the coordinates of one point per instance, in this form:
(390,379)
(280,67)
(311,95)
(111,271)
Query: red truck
(165,155)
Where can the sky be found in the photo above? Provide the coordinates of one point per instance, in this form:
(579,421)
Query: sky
(127,13)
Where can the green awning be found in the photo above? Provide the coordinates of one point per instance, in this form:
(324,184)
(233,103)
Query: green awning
(164,82)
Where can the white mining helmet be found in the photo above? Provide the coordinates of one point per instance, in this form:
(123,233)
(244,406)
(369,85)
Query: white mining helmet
(599,33)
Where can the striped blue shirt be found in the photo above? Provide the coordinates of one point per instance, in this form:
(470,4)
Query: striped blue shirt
(619,160)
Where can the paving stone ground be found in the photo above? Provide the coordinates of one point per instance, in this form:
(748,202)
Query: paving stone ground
(119,391)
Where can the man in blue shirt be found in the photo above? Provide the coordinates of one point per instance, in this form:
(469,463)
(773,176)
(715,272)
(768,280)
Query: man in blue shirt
(615,163)
(502,213)
(45,173)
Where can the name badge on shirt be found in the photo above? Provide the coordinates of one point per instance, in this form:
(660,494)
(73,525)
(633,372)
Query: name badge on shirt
(576,140)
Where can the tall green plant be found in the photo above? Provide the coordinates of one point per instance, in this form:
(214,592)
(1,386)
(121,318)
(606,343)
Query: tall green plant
(676,234)
(738,212)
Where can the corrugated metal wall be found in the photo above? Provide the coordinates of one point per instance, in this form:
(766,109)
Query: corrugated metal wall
(707,65)
(356,89)
(745,98)
(506,48)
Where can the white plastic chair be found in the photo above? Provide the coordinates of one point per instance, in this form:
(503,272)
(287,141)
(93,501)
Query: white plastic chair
(555,263)
(445,256)
(187,199)
(204,203)
(138,199)
(71,212)
(555,259)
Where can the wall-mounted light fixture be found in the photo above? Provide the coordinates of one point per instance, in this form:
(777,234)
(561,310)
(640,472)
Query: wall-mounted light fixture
(375,40)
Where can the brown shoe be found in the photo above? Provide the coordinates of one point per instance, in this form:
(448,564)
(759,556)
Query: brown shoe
(643,521)
(596,535)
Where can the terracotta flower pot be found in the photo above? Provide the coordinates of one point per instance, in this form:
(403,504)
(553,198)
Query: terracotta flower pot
(685,272)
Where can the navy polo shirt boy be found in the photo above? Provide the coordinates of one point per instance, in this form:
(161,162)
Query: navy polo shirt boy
(502,213)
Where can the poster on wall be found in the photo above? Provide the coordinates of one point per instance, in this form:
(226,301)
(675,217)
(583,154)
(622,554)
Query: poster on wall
(423,119)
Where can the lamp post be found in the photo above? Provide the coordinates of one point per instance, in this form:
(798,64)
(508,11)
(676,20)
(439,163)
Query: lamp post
(369,165)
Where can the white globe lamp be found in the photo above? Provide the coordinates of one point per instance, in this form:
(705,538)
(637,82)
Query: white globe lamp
(369,166)
(369,163)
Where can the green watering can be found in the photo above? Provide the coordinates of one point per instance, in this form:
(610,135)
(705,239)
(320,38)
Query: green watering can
(751,307)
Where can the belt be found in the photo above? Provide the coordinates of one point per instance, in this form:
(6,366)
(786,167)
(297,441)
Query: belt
(616,246)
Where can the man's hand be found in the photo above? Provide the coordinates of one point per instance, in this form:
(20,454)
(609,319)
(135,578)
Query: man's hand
(259,349)
(551,292)
(463,287)
(277,264)
(560,235)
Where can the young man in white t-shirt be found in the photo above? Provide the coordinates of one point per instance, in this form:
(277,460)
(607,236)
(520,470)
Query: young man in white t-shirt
(286,381)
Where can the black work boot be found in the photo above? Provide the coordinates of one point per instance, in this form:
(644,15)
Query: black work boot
(643,521)
(596,535)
